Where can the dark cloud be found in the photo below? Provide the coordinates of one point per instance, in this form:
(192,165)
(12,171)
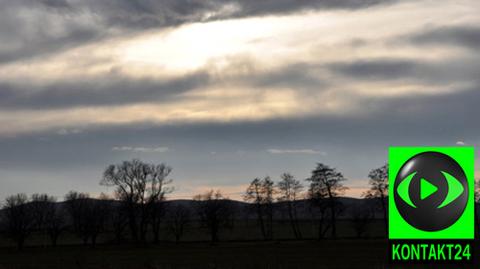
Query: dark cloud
(377,69)
(148,13)
(30,28)
(299,76)
(44,44)
(305,79)
(115,89)
(467,36)
(408,120)
(59,4)
(253,7)
(33,28)
(106,90)
(433,72)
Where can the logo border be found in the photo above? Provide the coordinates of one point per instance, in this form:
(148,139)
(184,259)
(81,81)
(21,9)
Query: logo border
(464,228)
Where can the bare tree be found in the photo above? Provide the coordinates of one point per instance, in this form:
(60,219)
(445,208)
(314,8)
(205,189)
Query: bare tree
(260,193)
(48,218)
(40,204)
(290,190)
(178,217)
(139,186)
(254,196)
(88,215)
(99,212)
(77,205)
(318,209)
(157,213)
(215,212)
(158,190)
(379,190)
(18,218)
(55,223)
(119,221)
(327,182)
(362,216)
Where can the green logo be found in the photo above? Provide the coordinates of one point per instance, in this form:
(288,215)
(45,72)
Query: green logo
(431,193)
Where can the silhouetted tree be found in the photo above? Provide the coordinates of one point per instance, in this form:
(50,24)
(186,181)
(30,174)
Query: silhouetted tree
(178,218)
(157,212)
(100,210)
(140,186)
(40,204)
(215,212)
(18,218)
(55,223)
(327,182)
(119,221)
(319,213)
(77,207)
(88,215)
(289,190)
(379,190)
(362,216)
(260,193)
(48,219)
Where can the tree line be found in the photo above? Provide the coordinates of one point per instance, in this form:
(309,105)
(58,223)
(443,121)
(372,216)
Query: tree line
(324,186)
(137,210)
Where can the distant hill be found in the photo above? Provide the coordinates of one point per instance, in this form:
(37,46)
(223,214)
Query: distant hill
(243,210)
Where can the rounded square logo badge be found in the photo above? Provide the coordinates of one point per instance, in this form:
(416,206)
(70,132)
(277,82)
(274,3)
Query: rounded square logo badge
(431,193)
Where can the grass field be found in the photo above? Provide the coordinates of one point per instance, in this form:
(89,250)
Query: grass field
(241,231)
(341,253)
(327,254)
(241,247)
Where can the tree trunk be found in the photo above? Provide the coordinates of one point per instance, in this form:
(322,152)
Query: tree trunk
(143,227)
(333,218)
(261,222)
(54,239)
(297,225)
(133,224)
(213,233)
(94,240)
(270,222)
(156,233)
(177,238)
(85,240)
(292,223)
(20,243)
(385,217)
(320,230)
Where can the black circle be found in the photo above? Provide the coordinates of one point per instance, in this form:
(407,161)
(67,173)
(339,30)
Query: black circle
(426,215)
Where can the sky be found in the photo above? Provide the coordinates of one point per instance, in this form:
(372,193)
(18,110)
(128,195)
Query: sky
(225,91)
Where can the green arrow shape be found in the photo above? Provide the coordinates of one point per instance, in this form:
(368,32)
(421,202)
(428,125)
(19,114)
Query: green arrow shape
(426,188)
(455,189)
(402,189)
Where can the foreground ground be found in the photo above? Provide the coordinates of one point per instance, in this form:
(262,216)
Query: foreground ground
(286,254)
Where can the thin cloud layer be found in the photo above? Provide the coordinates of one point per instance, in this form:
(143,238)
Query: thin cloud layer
(467,36)
(295,151)
(141,149)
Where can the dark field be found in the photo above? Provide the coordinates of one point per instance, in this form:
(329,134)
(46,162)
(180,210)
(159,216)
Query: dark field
(240,248)
(327,254)
(342,253)
(241,231)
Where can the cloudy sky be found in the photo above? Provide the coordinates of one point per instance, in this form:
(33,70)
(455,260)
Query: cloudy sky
(228,90)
